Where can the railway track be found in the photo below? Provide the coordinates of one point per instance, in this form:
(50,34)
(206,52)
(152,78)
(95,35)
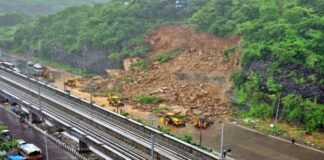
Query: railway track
(65,104)
(52,111)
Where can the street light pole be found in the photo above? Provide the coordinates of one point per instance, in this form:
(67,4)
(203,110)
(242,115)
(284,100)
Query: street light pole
(64,89)
(39,98)
(42,118)
(91,91)
(46,149)
(277,113)
(152,147)
(222,141)
(200,137)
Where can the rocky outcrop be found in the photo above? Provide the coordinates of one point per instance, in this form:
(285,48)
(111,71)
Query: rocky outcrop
(288,76)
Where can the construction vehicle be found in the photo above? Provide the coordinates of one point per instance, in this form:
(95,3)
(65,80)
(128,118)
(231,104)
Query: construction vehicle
(170,118)
(71,82)
(115,101)
(45,74)
(202,122)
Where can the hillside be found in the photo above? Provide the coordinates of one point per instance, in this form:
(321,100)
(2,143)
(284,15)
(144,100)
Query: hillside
(196,80)
(280,45)
(108,32)
(40,7)
(282,62)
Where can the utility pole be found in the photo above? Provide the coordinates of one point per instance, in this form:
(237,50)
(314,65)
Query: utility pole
(278,106)
(222,141)
(152,147)
(200,137)
(64,89)
(91,91)
(46,149)
(39,98)
(84,69)
(42,117)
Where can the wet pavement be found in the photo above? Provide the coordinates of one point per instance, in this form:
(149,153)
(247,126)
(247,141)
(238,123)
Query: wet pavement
(249,145)
(22,131)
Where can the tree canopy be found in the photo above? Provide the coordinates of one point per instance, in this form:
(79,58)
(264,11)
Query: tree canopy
(40,7)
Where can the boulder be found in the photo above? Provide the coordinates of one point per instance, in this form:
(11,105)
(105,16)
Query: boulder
(197,112)
(178,109)
(114,73)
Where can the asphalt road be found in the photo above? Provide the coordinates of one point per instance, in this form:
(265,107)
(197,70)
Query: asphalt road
(21,131)
(249,145)
(254,146)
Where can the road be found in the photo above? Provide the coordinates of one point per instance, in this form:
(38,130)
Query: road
(21,131)
(249,145)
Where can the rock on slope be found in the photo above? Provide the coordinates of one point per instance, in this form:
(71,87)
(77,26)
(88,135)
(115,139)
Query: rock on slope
(198,79)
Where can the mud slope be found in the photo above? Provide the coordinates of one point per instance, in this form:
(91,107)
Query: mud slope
(197,79)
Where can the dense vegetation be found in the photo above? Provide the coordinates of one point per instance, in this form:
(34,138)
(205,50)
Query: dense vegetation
(7,20)
(282,45)
(283,58)
(9,23)
(117,27)
(40,7)
(6,145)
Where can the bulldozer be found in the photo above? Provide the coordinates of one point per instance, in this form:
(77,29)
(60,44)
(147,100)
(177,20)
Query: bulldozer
(70,83)
(115,100)
(170,118)
(201,122)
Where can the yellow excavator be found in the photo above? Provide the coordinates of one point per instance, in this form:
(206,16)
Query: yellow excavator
(201,122)
(115,100)
(170,118)
(71,82)
(45,74)
(49,76)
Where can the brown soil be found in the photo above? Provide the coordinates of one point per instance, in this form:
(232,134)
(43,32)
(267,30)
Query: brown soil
(196,82)
(197,79)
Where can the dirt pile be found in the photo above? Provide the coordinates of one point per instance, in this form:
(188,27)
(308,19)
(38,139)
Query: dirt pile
(197,79)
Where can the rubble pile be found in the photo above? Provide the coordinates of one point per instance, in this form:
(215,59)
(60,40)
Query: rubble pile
(196,81)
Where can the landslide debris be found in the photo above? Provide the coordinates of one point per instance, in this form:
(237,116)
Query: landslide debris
(194,75)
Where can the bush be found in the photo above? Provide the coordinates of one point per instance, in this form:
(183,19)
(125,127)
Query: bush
(142,64)
(238,78)
(126,114)
(4,144)
(179,116)
(165,130)
(263,111)
(228,51)
(158,109)
(148,99)
(274,130)
(165,57)
(186,138)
